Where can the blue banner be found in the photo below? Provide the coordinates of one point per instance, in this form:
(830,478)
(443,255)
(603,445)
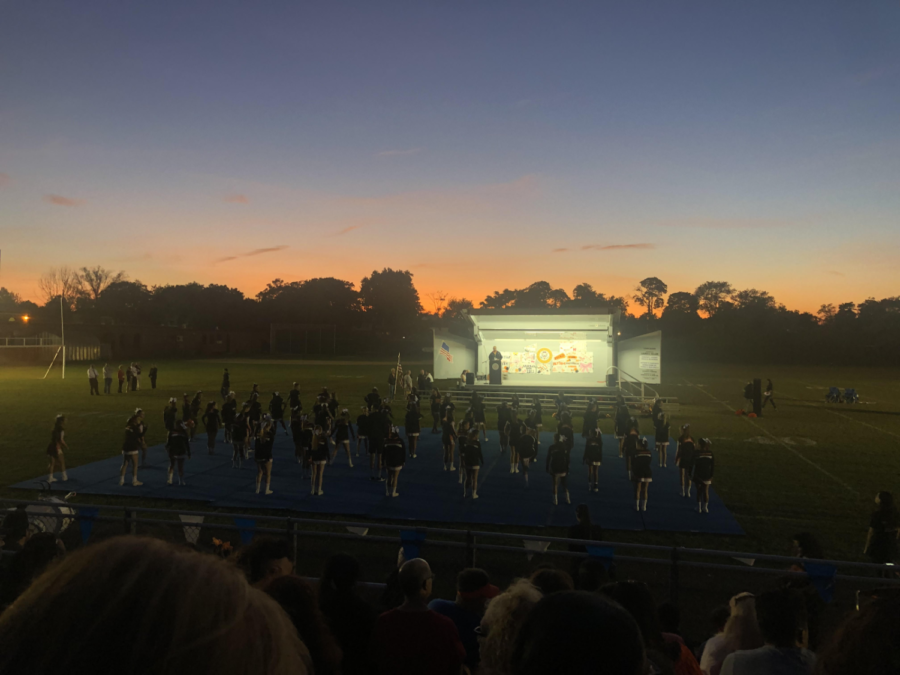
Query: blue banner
(604,554)
(411,540)
(247,528)
(86,522)
(822,579)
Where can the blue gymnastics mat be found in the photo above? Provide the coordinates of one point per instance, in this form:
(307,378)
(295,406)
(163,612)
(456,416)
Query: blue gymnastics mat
(427,492)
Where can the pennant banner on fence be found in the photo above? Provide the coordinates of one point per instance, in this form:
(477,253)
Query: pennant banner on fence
(86,522)
(191,528)
(822,579)
(411,541)
(361,531)
(247,528)
(535,547)
(604,554)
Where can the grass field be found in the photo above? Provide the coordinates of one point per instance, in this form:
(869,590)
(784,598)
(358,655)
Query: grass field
(806,466)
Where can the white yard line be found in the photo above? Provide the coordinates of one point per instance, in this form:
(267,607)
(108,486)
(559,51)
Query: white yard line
(825,408)
(779,441)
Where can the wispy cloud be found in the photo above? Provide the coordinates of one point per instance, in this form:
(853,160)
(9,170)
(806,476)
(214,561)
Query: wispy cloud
(560,250)
(254,252)
(5,179)
(616,247)
(63,201)
(347,230)
(236,199)
(399,153)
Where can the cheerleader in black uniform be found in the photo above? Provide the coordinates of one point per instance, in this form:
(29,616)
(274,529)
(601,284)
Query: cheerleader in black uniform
(684,458)
(307,435)
(333,405)
(362,430)
(448,440)
(621,424)
(472,459)
(343,434)
(566,432)
(558,466)
(170,414)
(526,448)
(318,460)
(514,404)
(240,432)
(435,410)
(448,409)
(515,432)
(412,425)
(56,447)
(294,397)
(297,434)
(477,409)
(229,412)
(376,430)
(177,445)
(265,439)
(630,447)
(538,411)
(196,405)
(662,437)
(593,457)
(591,416)
(394,456)
(212,421)
(276,410)
(322,415)
(702,470)
(561,400)
(131,447)
(503,413)
(641,473)
(142,434)
(254,415)
(186,415)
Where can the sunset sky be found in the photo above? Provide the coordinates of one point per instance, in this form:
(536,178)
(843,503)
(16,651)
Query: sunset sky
(481,145)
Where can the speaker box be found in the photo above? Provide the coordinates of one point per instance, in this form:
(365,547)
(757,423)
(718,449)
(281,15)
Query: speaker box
(470,378)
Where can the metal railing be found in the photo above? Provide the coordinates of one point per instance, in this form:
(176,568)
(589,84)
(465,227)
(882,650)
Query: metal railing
(29,342)
(471,541)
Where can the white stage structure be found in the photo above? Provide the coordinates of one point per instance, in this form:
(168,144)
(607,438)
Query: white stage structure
(554,348)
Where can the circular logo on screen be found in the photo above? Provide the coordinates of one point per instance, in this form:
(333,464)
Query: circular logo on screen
(544,355)
(495,366)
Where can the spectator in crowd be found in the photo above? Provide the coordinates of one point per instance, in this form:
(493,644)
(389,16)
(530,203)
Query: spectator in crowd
(264,560)
(667,655)
(591,575)
(154,371)
(92,379)
(582,529)
(121,375)
(29,563)
(298,599)
(740,632)
(805,545)
(350,618)
(15,529)
(717,620)
(137,376)
(139,605)
(107,379)
(865,643)
(413,639)
(392,596)
(422,382)
(500,626)
(782,621)
(669,619)
(881,539)
(473,591)
(407,382)
(578,634)
(550,579)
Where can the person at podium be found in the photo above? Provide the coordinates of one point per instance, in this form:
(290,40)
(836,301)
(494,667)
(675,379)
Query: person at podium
(495,356)
(495,366)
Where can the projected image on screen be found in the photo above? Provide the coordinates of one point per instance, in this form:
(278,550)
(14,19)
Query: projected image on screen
(544,358)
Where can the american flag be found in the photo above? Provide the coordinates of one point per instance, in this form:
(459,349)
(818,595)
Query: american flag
(445,351)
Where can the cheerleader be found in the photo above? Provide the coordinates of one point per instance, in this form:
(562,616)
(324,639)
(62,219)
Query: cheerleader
(702,470)
(566,432)
(630,447)
(514,403)
(467,424)
(376,430)
(593,457)
(186,415)
(684,458)
(448,407)
(276,410)
(412,425)
(503,413)
(342,435)
(196,405)
(229,412)
(318,459)
(211,421)
(141,429)
(307,435)
(294,397)
(265,440)
(526,448)
(331,402)
(538,411)
(621,424)
(131,446)
(561,400)
(177,445)
(448,440)
(558,466)
(472,459)
(516,428)
(170,414)
(591,416)
(641,473)
(477,408)
(435,400)
(296,425)
(240,432)
(254,415)
(362,433)
(322,414)
(56,447)
(662,437)
(394,457)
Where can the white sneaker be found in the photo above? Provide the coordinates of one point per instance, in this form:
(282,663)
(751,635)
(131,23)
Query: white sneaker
(312,492)
(645,506)
(464,490)
(136,483)
(121,481)
(554,500)
(699,508)
(706,507)
(568,500)
(257,488)
(320,492)
(452,468)
(169,480)
(269,492)
(474,495)
(65,476)
(51,479)
(460,479)
(395,494)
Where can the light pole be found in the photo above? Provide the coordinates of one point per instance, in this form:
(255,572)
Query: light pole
(62,330)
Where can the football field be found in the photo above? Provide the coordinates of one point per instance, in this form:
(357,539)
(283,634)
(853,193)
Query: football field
(807,466)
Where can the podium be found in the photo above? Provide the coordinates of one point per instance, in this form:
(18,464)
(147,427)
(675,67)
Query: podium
(495,372)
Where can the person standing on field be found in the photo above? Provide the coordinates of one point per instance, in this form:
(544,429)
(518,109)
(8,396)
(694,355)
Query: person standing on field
(121,376)
(769,395)
(107,379)
(153,373)
(92,378)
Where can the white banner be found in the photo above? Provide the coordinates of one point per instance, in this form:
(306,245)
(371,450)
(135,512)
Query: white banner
(191,532)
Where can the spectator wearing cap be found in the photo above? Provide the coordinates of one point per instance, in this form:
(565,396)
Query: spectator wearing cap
(473,590)
(414,639)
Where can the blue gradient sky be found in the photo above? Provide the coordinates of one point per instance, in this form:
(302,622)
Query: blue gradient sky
(757,143)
